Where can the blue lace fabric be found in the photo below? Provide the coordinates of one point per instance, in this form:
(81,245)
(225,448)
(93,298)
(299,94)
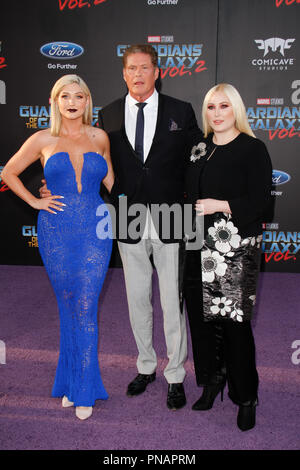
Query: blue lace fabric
(75,246)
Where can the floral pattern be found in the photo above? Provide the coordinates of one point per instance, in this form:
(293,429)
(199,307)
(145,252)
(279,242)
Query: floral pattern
(198,151)
(212,265)
(225,236)
(221,305)
(230,267)
(252,240)
(225,307)
(237,314)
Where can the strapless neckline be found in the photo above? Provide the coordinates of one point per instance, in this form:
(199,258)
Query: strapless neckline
(67,153)
(78,183)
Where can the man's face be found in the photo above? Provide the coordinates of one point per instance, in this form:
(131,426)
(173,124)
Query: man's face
(140,74)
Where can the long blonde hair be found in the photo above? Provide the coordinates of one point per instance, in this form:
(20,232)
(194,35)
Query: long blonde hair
(55,113)
(239,110)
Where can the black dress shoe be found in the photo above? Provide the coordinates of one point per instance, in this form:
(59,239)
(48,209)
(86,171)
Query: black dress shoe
(176,396)
(246,416)
(208,396)
(139,384)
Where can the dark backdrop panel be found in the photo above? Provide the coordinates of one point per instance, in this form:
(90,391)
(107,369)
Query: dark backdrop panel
(199,43)
(186,42)
(258,52)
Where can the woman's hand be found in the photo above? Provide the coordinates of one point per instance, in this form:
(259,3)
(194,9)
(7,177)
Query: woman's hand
(210,206)
(48,204)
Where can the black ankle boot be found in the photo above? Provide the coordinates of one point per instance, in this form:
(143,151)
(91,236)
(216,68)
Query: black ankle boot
(208,396)
(246,416)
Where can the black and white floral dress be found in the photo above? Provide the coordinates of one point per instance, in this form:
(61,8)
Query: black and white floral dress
(241,173)
(230,266)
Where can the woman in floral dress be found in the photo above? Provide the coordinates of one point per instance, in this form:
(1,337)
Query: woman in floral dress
(228,181)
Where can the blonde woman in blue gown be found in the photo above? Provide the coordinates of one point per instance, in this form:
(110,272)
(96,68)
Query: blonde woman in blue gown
(75,251)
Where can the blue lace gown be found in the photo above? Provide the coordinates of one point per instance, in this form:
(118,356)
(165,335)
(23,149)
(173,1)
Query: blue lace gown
(75,247)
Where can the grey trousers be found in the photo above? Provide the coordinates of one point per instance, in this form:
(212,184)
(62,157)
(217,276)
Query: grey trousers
(138,279)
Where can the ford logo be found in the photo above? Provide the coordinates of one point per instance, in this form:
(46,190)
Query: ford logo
(61,50)
(280,177)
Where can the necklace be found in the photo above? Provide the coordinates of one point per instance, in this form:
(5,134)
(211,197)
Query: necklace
(211,154)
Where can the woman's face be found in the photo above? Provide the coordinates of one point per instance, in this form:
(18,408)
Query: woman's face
(72,101)
(219,113)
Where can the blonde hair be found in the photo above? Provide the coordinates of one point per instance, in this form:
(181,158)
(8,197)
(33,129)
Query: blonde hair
(55,115)
(239,110)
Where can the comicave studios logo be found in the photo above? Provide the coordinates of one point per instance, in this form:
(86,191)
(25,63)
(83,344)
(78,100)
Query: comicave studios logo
(275,55)
(62,50)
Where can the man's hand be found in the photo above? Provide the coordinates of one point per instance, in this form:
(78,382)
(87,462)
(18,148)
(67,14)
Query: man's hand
(44,191)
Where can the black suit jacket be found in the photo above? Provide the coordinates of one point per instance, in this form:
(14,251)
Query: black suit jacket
(160,179)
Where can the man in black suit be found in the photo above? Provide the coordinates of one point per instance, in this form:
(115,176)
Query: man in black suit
(151,136)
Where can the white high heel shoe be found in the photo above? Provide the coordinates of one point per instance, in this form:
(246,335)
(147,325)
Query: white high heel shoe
(83,412)
(66,403)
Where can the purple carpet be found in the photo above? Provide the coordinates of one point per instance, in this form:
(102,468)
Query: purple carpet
(31,419)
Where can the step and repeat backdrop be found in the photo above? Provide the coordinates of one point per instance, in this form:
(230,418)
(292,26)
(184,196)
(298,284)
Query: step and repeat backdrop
(252,44)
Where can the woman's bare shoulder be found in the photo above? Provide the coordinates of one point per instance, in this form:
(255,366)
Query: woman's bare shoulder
(96,133)
(43,137)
